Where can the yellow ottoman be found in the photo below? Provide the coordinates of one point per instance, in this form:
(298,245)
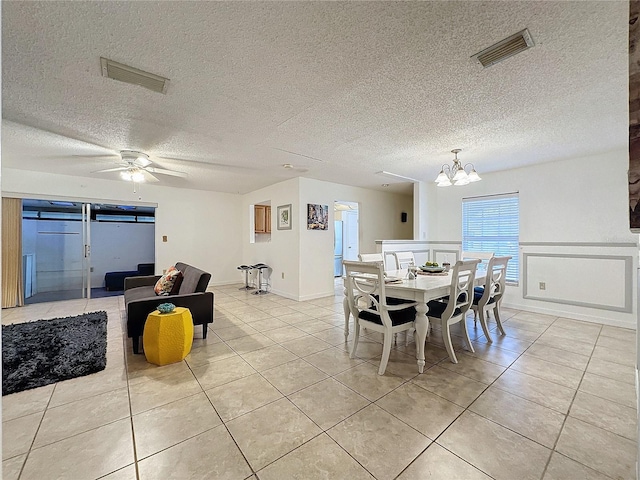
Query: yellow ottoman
(168,337)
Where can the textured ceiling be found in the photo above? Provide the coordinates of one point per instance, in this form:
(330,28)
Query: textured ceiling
(341,90)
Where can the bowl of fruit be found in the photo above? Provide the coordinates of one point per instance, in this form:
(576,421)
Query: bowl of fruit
(432,267)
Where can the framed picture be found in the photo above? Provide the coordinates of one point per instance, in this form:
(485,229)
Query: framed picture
(284,217)
(317,217)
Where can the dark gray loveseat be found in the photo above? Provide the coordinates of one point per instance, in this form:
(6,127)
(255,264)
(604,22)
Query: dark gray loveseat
(140,300)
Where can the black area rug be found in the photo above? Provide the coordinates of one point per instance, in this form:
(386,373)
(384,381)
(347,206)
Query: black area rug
(38,353)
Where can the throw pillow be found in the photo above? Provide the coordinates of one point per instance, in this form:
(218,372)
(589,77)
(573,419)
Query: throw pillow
(167,281)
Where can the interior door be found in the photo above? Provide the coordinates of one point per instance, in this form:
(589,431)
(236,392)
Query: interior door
(86,244)
(350,251)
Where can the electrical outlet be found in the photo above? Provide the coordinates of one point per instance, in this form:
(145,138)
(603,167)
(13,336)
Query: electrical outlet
(543,286)
(92,269)
(164,238)
(283,275)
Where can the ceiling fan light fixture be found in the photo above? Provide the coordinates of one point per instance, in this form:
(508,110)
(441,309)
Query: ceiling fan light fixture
(126,175)
(137,176)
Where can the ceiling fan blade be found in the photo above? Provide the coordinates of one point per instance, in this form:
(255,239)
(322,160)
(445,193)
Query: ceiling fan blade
(116,169)
(163,171)
(148,177)
(104,155)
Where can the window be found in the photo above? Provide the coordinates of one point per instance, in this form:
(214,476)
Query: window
(492,224)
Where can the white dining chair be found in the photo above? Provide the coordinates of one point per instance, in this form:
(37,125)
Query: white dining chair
(453,308)
(371,257)
(404,259)
(489,296)
(370,307)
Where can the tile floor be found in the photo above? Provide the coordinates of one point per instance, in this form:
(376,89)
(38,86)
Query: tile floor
(272,394)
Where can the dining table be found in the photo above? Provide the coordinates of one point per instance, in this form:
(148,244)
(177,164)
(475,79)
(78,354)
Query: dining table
(421,289)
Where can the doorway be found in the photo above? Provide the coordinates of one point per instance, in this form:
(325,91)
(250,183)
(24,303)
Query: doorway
(346,234)
(68,247)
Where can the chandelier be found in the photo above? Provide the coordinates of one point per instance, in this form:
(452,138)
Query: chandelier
(457,174)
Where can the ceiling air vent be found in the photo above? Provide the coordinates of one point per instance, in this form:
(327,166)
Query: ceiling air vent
(127,74)
(506,48)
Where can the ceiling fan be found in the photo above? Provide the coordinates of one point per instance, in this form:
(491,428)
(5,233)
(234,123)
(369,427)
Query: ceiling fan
(136,167)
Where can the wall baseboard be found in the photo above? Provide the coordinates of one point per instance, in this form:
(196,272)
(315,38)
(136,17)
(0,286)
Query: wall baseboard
(575,316)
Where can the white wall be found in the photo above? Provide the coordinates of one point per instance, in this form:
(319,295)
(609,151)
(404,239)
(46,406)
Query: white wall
(306,256)
(574,235)
(203,228)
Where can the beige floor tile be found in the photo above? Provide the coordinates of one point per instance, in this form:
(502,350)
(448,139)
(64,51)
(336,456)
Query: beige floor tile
(534,327)
(268,324)
(250,343)
(333,360)
(305,346)
(598,449)
(449,385)
(425,411)
(281,311)
(537,390)
(18,434)
(83,456)
(285,334)
(532,317)
(236,331)
(493,354)
(475,368)
(88,386)
(495,450)
(527,418)
(333,336)
(571,324)
(437,463)
(574,346)
(153,393)
(209,354)
(622,373)
(242,396)
(558,356)
(563,468)
(618,332)
(519,333)
(400,364)
(507,343)
(26,402)
(282,428)
(605,414)
(293,376)
(328,402)
(374,430)
(315,325)
(364,379)
(565,376)
(318,459)
(209,455)
(223,371)
(574,334)
(268,357)
(623,357)
(81,416)
(141,371)
(172,423)
(11,468)
(126,473)
(619,392)
(617,343)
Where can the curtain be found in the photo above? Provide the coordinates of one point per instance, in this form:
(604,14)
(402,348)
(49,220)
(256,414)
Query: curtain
(12,290)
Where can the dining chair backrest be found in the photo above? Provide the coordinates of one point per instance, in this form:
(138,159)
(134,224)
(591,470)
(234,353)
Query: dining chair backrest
(404,259)
(365,289)
(463,275)
(495,280)
(372,257)
(469,255)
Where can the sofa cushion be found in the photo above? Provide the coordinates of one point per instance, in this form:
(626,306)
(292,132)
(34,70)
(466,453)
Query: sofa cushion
(166,282)
(139,293)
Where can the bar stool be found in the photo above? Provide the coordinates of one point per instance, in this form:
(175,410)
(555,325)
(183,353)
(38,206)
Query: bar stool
(260,267)
(246,269)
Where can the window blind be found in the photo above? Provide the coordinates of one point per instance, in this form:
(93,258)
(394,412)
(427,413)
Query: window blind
(492,224)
